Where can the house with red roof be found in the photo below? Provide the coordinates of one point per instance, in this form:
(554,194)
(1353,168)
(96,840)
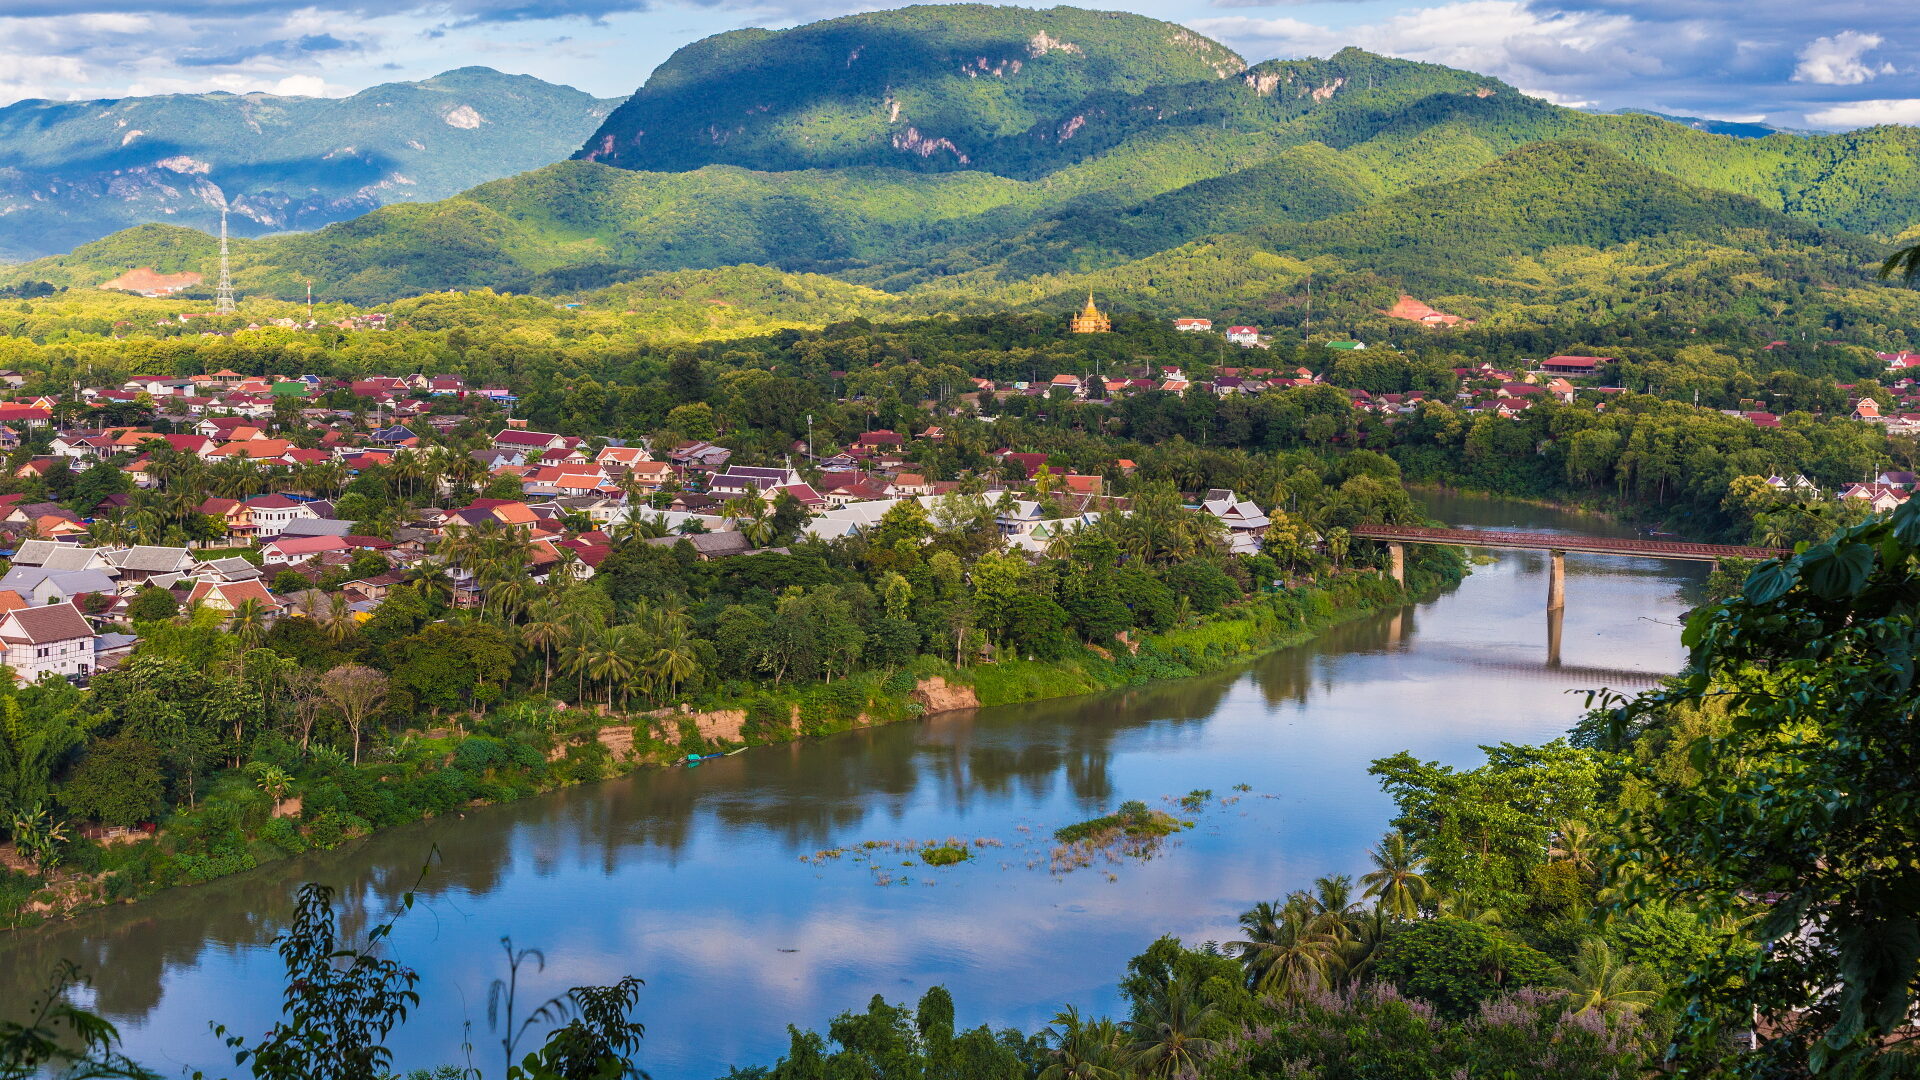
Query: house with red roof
(270,514)
(1576,366)
(229,595)
(289,550)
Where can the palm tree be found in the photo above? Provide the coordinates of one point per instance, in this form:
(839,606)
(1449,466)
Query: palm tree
(1903,264)
(1599,982)
(1283,950)
(1165,1041)
(340,619)
(248,622)
(1574,842)
(673,661)
(616,659)
(575,658)
(430,580)
(1082,1049)
(1358,953)
(545,630)
(1396,879)
(272,780)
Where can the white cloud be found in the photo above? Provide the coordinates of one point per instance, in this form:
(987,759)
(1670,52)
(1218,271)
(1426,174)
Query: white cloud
(1566,100)
(1837,60)
(1859,114)
(1508,39)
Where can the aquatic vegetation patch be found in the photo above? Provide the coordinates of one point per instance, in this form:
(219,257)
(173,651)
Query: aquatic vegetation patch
(945,854)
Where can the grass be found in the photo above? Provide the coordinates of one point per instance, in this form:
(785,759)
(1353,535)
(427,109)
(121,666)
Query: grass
(945,854)
(1134,819)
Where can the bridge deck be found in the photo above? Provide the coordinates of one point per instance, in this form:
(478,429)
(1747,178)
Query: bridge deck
(1592,545)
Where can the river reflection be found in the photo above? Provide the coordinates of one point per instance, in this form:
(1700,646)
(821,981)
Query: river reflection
(694,879)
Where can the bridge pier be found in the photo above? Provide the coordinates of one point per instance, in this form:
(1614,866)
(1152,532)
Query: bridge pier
(1557,581)
(1398,553)
(1555,616)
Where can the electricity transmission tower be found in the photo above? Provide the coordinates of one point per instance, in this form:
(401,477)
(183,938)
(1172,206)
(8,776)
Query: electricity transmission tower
(223,297)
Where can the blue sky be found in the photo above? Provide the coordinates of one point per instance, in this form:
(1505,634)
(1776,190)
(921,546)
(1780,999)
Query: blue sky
(1797,63)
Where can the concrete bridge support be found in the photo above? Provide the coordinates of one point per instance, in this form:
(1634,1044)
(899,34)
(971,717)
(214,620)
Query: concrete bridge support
(1557,582)
(1555,617)
(1398,553)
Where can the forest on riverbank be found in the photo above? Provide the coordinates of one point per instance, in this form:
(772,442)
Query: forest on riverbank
(1588,908)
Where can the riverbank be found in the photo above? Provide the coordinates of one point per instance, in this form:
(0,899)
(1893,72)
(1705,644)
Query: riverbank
(526,748)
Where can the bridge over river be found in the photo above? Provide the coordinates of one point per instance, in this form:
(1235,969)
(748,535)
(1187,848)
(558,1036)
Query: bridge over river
(1396,537)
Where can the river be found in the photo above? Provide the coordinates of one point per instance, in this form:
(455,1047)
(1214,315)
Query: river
(694,879)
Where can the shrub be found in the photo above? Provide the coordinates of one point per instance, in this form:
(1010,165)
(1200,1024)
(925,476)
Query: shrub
(1457,966)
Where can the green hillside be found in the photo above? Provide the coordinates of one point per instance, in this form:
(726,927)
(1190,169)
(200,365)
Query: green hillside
(71,172)
(932,88)
(1552,230)
(1145,163)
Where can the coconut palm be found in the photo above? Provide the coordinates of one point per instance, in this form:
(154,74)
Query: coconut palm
(614,659)
(248,622)
(576,656)
(673,661)
(1082,1049)
(340,621)
(1468,907)
(1574,842)
(1165,1039)
(1396,880)
(546,629)
(1284,951)
(1598,981)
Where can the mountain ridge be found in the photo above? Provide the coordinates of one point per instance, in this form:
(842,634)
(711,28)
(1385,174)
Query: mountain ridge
(1249,175)
(72,171)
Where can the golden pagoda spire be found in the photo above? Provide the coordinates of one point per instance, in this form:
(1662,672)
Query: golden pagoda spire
(1090,320)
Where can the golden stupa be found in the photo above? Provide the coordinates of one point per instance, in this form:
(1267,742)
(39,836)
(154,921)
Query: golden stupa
(1090,320)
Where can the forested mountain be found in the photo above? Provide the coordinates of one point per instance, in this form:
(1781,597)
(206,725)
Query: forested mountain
(933,87)
(1075,149)
(73,171)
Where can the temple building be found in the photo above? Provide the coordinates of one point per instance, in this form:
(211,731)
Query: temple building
(1090,320)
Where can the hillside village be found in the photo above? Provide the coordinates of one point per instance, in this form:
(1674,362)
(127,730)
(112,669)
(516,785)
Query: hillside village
(267,527)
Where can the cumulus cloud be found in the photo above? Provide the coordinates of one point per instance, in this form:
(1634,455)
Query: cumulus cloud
(1837,60)
(1509,39)
(1859,114)
(282,49)
(1567,100)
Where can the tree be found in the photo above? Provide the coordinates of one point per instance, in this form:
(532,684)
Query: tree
(152,604)
(1285,949)
(1166,1040)
(118,782)
(1395,878)
(1456,966)
(1803,792)
(355,690)
(1483,831)
(1598,982)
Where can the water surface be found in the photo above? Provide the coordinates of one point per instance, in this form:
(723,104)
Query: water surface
(694,879)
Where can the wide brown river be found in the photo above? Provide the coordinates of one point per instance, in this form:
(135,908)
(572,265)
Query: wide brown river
(694,879)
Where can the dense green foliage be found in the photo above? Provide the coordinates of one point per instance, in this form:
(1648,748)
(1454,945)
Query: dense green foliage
(282,162)
(1777,790)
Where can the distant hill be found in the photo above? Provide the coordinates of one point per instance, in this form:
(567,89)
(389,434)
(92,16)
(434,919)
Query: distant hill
(1147,162)
(71,172)
(934,88)
(1739,129)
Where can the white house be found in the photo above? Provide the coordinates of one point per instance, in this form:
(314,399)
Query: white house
(55,639)
(271,513)
(1245,336)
